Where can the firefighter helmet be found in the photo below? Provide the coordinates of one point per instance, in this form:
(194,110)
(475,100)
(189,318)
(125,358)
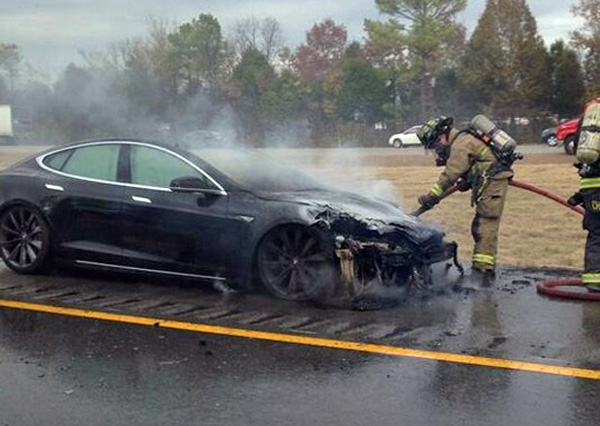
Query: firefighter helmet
(430,132)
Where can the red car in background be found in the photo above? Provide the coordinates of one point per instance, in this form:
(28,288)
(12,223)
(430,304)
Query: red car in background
(567,134)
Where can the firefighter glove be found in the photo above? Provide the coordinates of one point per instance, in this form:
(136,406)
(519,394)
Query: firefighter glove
(575,199)
(429,200)
(463,185)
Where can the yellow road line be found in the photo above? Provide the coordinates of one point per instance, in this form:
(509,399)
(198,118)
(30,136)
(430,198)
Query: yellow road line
(308,341)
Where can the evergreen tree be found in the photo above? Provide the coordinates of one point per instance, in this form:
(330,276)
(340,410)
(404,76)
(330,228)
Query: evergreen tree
(587,39)
(505,68)
(568,87)
(253,78)
(433,39)
(363,92)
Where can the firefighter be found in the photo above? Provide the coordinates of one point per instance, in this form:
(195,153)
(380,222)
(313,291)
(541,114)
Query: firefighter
(471,164)
(588,163)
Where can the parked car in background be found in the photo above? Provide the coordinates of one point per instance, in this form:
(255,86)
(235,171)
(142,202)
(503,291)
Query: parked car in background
(567,134)
(406,138)
(549,136)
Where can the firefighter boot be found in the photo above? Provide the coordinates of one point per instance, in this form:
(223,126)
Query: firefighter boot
(483,278)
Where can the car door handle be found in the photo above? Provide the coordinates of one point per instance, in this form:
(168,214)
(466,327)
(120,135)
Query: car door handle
(141,199)
(54,187)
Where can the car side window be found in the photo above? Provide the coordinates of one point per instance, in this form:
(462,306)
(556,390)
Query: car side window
(95,162)
(156,168)
(58,160)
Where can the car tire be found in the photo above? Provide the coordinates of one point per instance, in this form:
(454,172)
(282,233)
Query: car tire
(295,263)
(551,140)
(397,143)
(570,147)
(24,239)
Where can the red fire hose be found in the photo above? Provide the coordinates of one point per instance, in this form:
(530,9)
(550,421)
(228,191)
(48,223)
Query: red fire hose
(552,287)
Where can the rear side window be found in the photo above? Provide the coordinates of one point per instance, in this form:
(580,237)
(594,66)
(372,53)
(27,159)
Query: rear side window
(156,168)
(95,162)
(58,160)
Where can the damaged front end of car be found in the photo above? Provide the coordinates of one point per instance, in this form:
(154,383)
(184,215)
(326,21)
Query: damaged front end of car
(384,257)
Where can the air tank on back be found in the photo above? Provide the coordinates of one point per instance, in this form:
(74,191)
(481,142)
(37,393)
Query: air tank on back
(498,139)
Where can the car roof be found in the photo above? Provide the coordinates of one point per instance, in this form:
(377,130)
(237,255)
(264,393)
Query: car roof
(175,148)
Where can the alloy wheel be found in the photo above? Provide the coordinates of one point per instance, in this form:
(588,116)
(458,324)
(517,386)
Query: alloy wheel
(294,264)
(23,239)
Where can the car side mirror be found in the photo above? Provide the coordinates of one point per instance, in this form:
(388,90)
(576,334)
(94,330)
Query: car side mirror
(187,184)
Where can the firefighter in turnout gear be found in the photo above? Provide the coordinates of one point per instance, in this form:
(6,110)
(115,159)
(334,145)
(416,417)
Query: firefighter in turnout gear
(588,163)
(470,163)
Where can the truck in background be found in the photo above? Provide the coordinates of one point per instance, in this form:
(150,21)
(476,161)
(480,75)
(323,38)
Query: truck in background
(7,136)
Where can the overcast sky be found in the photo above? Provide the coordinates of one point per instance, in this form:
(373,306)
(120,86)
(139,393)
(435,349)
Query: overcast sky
(51,32)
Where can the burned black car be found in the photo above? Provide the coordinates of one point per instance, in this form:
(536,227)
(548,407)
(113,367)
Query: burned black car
(223,215)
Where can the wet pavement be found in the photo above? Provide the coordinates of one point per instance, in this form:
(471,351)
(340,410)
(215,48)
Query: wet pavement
(56,369)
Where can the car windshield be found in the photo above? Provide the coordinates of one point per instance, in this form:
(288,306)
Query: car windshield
(257,171)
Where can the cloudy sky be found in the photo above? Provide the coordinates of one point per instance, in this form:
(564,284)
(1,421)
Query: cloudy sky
(52,32)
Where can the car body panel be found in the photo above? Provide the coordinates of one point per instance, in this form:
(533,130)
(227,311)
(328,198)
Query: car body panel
(213,232)
(566,129)
(406,138)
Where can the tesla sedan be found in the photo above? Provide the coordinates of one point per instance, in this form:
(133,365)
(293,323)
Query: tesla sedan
(224,215)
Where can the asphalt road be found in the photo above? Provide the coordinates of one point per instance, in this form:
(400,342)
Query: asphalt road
(95,349)
(244,358)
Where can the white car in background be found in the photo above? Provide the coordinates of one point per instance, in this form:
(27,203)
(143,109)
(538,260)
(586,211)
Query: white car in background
(406,138)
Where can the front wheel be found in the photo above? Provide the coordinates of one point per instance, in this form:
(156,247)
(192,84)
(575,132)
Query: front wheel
(24,239)
(295,263)
(397,143)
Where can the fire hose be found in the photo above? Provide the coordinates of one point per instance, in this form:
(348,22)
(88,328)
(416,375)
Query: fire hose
(551,287)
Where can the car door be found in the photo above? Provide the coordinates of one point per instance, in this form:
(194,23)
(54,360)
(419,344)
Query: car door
(411,136)
(170,231)
(82,197)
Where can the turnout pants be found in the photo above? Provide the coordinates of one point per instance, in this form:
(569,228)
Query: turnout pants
(591,223)
(486,224)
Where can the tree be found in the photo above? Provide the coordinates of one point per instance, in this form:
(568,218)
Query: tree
(431,39)
(505,68)
(386,48)
(568,87)
(199,52)
(587,39)
(324,48)
(265,36)
(363,91)
(10,58)
(253,78)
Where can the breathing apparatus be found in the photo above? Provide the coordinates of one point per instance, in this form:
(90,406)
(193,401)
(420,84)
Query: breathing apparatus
(588,148)
(502,145)
(442,153)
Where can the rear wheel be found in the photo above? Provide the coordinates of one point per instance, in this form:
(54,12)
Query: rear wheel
(397,143)
(24,239)
(570,146)
(551,140)
(295,263)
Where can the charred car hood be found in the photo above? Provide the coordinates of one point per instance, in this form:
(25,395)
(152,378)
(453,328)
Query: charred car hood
(356,215)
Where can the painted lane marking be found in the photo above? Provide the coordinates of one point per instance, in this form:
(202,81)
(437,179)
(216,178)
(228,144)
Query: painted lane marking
(308,341)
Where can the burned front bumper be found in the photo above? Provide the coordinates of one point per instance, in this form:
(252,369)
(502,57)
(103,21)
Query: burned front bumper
(384,258)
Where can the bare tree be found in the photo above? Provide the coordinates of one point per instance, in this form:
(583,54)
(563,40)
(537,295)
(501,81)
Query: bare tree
(264,36)
(10,58)
(272,37)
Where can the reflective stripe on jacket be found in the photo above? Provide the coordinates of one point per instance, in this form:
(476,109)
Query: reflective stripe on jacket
(590,183)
